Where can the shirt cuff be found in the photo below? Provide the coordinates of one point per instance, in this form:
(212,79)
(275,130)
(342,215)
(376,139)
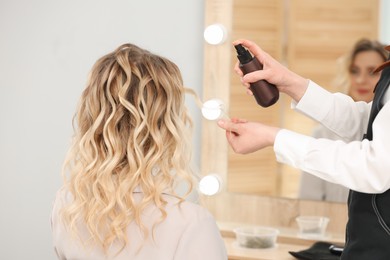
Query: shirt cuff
(291,148)
(314,103)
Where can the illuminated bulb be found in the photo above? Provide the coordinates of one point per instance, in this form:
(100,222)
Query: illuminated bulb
(210,185)
(212,109)
(215,34)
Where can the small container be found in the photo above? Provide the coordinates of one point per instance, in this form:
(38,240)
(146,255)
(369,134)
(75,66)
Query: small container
(256,237)
(312,226)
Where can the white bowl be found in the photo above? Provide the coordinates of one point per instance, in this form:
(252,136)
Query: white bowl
(256,237)
(312,226)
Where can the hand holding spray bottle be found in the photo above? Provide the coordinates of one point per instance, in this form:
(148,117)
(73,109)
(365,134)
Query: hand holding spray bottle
(266,94)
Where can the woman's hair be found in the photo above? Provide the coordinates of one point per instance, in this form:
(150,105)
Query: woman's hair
(132,133)
(342,82)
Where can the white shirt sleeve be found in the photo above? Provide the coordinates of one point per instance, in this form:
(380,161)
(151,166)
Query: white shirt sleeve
(311,187)
(359,165)
(337,112)
(201,241)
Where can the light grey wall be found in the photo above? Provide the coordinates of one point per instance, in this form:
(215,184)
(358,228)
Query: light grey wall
(384,21)
(47,48)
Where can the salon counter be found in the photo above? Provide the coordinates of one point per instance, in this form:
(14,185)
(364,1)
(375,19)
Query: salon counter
(288,240)
(279,252)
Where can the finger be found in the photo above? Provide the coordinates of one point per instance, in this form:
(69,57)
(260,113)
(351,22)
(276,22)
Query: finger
(241,120)
(238,41)
(249,92)
(244,42)
(256,50)
(245,84)
(231,136)
(254,76)
(228,125)
(238,120)
(237,69)
(251,46)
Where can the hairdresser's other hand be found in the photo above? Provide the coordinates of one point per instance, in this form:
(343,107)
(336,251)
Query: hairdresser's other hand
(286,81)
(247,137)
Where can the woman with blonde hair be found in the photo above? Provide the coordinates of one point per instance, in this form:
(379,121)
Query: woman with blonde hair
(130,150)
(356,77)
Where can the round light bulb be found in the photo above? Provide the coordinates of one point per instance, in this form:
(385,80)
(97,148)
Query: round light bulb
(212,109)
(215,34)
(210,185)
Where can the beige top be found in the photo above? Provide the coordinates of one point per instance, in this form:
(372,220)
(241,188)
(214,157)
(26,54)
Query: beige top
(189,232)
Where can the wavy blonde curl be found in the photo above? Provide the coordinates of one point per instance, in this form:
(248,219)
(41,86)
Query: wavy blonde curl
(132,132)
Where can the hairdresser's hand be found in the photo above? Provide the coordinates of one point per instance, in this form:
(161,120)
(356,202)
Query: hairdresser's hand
(286,81)
(247,137)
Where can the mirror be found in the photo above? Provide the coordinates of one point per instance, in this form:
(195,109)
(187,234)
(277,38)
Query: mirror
(307,36)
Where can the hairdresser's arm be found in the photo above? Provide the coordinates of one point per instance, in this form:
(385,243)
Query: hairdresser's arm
(337,112)
(359,165)
(331,110)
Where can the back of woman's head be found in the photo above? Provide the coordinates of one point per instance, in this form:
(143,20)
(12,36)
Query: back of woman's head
(131,135)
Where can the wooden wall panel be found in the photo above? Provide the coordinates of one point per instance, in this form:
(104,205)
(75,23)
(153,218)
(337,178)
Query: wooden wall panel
(322,31)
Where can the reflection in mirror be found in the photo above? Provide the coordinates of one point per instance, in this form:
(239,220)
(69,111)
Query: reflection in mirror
(307,36)
(357,79)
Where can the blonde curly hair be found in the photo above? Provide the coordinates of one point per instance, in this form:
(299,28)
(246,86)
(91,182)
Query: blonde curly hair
(132,132)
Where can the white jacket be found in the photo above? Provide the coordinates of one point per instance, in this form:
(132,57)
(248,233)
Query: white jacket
(363,166)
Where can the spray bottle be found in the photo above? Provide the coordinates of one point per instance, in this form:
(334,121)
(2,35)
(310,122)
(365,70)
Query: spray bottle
(266,94)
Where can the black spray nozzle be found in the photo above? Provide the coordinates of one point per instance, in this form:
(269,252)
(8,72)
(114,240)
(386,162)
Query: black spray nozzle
(243,55)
